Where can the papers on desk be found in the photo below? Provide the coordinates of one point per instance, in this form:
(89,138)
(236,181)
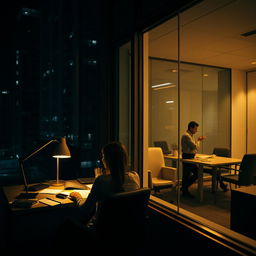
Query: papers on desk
(83,192)
(70,186)
(48,201)
(204,157)
(89,186)
(50,191)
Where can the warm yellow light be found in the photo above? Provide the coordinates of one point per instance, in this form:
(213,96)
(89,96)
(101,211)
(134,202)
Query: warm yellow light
(168,86)
(253,62)
(60,156)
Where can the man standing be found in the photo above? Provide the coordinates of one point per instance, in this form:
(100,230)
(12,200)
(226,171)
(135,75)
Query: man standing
(189,147)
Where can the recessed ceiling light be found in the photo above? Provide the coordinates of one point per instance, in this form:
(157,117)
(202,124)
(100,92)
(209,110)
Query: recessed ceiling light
(169,101)
(174,70)
(162,86)
(253,62)
(205,75)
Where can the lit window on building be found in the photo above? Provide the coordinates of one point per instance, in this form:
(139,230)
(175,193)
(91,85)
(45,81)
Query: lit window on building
(29,12)
(55,118)
(92,62)
(71,63)
(71,35)
(5,92)
(86,164)
(92,42)
(17,82)
(17,62)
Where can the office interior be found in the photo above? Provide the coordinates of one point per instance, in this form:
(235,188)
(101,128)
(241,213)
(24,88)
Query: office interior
(211,71)
(200,65)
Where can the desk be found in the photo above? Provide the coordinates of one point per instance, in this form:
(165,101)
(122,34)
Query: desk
(214,163)
(12,192)
(40,222)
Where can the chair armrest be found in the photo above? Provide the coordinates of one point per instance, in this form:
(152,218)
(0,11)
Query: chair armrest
(150,183)
(169,173)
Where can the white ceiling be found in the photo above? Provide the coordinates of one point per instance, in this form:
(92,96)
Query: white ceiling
(210,33)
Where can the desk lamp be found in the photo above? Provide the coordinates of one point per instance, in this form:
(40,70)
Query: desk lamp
(61,151)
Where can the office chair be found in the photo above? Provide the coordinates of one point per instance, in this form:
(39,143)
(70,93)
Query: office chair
(246,174)
(120,226)
(163,145)
(123,215)
(160,176)
(225,152)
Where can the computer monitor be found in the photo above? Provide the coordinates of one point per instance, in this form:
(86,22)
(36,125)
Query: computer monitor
(163,145)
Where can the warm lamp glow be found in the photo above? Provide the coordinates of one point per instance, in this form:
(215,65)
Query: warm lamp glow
(61,151)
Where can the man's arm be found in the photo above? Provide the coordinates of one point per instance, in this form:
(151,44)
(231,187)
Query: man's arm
(188,143)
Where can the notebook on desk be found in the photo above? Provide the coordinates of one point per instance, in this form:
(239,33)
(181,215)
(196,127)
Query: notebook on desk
(27,196)
(86,180)
(23,203)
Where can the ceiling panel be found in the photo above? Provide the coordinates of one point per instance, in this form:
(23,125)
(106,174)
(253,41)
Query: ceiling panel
(210,34)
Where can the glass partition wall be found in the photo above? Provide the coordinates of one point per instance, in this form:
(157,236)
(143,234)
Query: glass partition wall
(204,97)
(195,68)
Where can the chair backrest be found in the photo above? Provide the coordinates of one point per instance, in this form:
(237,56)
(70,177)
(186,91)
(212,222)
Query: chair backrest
(247,170)
(163,145)
(123,215)
(225,152)
(155,160)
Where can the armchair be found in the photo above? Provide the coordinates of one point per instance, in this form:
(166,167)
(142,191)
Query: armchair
(160,176)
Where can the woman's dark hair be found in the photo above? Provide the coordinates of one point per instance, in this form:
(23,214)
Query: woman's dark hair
(116,159)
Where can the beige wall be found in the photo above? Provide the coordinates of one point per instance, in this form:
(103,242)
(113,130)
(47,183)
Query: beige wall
(251,116)
(238,123)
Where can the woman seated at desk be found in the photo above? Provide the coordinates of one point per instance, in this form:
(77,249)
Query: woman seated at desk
(116,178)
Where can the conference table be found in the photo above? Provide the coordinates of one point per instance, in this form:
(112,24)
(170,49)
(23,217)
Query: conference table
(212,161)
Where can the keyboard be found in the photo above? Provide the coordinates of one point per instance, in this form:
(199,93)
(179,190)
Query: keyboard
(86,180)
(37,187)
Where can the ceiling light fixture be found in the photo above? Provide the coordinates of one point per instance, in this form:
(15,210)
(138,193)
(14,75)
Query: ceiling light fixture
(165,87)
(162,86)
